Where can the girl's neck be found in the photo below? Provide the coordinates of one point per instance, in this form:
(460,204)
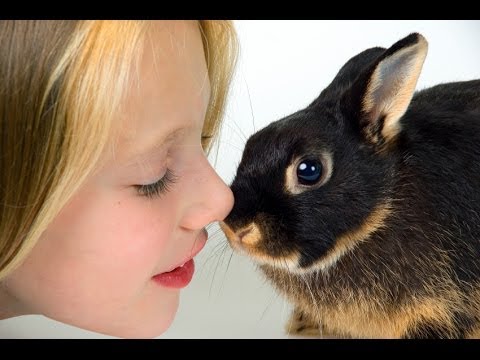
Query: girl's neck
(9,305)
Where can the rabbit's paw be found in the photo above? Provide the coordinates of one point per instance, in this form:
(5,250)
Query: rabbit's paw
(301,324)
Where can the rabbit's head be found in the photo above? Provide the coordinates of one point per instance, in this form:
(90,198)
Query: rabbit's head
(314,184)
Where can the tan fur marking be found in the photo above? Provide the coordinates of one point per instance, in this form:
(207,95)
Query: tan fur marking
(290,179)
(365,319)
(474,303)
(371,314)
(288,263)
(396,102)
(475,334)
(350,239)
(431,310)
(248,245)
(253,235)
(363,315)
(300,324)
(229,233)
(291,184)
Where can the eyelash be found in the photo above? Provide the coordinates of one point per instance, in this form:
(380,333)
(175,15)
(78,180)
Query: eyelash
(157,188)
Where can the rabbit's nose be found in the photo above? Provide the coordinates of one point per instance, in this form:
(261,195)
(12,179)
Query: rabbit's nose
(243,233)
(248,235)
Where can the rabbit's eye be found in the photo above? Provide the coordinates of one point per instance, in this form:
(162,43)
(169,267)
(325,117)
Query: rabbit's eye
(306,173)
(309,172)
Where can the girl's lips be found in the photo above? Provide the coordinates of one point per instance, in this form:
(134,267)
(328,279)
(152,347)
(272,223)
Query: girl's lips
(181,275)
(177,278)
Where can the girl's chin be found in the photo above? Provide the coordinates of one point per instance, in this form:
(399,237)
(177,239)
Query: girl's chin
(138,323)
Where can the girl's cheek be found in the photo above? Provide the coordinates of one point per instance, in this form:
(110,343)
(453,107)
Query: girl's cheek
(146,226)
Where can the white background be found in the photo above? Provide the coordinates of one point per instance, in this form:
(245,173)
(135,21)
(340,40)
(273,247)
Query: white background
(283,66)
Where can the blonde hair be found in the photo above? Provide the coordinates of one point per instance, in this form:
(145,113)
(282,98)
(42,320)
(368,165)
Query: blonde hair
(60,85)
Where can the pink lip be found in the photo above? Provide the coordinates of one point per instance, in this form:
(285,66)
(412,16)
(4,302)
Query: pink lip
(182,273)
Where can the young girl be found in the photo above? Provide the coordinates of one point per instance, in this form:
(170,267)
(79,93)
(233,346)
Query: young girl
(105,188)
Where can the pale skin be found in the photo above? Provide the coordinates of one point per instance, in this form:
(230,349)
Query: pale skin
(94,266)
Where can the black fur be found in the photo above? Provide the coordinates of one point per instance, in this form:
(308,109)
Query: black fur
(429,246)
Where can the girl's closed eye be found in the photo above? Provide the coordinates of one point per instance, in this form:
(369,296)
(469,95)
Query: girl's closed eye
(159,187)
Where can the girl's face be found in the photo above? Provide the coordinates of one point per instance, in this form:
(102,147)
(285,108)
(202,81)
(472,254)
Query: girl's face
(111,261)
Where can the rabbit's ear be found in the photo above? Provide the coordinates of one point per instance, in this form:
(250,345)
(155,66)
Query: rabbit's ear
(382,93)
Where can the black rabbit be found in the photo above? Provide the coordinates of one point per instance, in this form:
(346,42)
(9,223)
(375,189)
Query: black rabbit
(363,209)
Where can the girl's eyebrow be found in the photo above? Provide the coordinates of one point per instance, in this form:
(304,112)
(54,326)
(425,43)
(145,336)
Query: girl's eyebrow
(154,146)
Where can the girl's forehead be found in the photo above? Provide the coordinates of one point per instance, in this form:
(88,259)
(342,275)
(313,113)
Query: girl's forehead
(169,87)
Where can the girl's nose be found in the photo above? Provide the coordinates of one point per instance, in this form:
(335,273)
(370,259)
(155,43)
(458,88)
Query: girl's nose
(209,198)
